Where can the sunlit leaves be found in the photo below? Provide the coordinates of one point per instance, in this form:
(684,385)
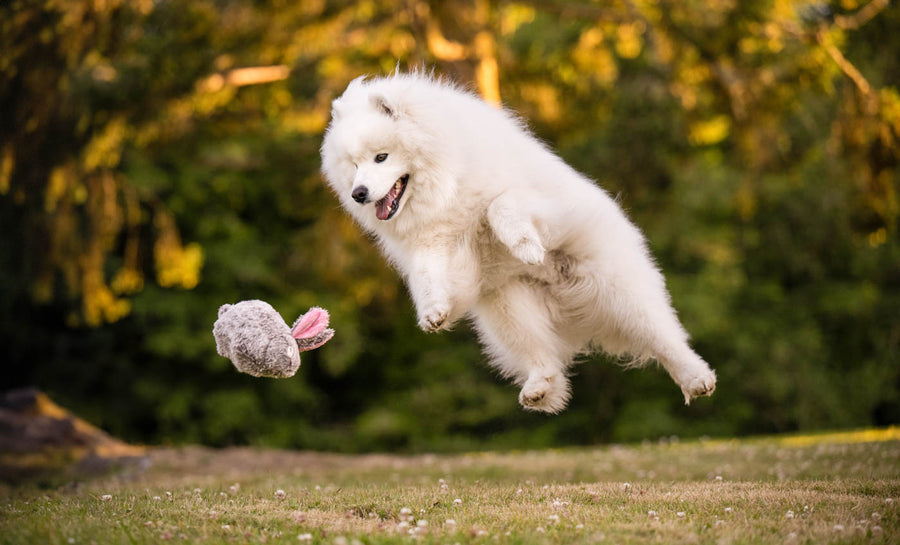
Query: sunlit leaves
(710,131)
(171,164)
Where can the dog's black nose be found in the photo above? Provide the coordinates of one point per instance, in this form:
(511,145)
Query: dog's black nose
(360,194)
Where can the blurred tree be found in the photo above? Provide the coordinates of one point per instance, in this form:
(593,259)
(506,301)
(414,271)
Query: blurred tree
(61,152)
(177,141)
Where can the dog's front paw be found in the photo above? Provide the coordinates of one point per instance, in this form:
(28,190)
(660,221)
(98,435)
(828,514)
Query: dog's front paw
(434,318)
(528,251)
(548,394)
(702,385)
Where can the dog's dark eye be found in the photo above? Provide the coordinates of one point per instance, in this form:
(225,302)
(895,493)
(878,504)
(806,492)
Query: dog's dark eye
(380,157)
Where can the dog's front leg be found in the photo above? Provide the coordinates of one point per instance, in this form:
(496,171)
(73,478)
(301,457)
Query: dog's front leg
(428,285)
(512,221)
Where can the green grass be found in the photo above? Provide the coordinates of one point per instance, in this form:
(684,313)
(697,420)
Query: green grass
(839,488)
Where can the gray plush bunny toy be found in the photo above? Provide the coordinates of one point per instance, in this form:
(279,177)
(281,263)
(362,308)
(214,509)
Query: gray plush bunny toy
(258,342)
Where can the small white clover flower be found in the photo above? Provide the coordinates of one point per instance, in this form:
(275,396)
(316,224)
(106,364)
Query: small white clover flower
(626,486)
(233,489)
(402,526)
(838,528)
(105,497)
(718,477)
(280,494)
(680,514)
(876,530)
(481,533)
(876,516)
(652,514)
(450,522)
(226,527)
(540,530)
(422,523)
(457,502)
(579,526)
(728,510)
(519,491)
(304,537)
(789,515)
(553,519)
(197,491)
(156,498)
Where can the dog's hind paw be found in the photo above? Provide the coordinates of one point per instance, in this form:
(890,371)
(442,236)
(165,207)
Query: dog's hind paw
(704,385)
(548,394)
(433,319)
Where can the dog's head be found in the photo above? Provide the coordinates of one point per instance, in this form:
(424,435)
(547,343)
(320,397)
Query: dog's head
(369,152)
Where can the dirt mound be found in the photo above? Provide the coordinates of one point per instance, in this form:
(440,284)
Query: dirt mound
(39,438)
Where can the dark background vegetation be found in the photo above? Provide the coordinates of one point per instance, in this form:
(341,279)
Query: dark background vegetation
(146,178)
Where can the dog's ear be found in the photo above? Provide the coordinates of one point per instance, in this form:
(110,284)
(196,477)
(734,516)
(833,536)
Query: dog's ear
(354,86)
(381,103)
(356,83)
(336,108)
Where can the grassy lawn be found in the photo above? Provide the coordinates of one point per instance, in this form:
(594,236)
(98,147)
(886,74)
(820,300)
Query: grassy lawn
(836,488)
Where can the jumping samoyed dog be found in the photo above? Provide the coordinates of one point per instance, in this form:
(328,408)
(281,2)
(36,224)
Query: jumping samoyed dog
(484,221)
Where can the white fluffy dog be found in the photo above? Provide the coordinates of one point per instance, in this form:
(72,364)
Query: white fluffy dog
(484,221)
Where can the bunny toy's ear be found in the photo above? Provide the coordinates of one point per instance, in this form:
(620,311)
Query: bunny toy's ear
(310,324)
(311,329)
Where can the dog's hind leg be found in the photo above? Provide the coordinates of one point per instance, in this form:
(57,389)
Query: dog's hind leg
(515,326)
(641,323)
(688,370)
(667,342)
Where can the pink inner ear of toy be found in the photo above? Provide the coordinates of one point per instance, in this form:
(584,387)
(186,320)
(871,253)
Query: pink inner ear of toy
(311,324)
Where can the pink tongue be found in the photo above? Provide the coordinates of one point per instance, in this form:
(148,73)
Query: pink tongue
(383,206)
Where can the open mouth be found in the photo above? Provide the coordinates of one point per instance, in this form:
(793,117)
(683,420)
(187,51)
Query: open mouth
(387,206)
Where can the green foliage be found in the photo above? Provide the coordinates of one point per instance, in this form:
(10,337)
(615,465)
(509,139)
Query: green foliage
(755,143)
